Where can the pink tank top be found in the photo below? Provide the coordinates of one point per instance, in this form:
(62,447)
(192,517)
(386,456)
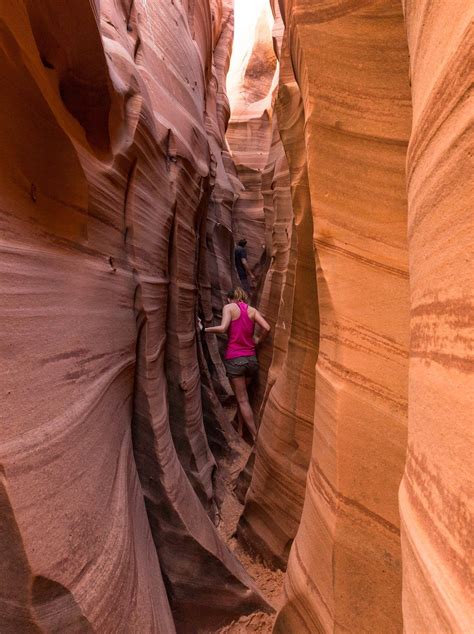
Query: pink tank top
(240,341)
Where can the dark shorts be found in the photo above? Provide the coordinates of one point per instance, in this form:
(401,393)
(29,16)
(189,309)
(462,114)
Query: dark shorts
(241,366)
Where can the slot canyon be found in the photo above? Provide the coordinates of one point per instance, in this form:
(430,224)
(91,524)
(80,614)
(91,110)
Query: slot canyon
(140,141)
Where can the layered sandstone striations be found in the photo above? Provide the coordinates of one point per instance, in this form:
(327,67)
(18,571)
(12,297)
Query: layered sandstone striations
(214,264)
(351,64)
(119,206)
(109,155)
(437,493)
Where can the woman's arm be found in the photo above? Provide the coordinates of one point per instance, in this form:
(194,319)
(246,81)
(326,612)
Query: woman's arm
(264,325)
(224,326)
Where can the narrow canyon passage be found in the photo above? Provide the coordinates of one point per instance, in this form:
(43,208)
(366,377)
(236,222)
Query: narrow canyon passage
(140,141)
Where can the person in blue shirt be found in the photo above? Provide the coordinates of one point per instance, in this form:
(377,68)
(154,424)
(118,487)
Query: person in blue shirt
(241,264)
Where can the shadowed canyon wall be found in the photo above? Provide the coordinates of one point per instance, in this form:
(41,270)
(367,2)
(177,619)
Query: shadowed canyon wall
(112,123)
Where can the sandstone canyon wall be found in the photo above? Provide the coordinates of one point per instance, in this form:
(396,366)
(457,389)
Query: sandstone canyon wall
(111,146)
(250,84)
(344,568)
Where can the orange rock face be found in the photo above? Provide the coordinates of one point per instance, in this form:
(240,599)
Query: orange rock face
(344,566)
(111,123)
(437,492)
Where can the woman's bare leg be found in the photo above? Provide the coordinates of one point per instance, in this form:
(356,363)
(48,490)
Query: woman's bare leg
(239,385)
(240,428)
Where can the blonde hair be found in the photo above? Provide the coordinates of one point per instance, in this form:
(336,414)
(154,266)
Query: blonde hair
(238,294)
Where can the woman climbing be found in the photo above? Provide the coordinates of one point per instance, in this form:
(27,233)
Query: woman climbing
(238,320)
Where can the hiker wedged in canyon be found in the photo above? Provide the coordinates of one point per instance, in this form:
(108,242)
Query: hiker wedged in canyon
(346,169)
(238,321)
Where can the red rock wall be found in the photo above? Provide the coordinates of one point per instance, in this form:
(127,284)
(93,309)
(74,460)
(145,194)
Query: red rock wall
(107,474)
(216,271)
(118,202)
(254,137)
(279,242)
(436,496)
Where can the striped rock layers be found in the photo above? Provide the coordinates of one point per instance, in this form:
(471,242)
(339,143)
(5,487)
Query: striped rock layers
(107,478)
(437,493)
(351,64)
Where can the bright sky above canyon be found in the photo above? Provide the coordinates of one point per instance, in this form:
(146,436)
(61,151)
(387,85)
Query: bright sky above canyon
(253,22)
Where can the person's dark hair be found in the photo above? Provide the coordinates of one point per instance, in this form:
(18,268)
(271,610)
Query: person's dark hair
(242,242)
(238,294)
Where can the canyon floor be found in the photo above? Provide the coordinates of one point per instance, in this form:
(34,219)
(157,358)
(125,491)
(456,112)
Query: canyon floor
(269,581)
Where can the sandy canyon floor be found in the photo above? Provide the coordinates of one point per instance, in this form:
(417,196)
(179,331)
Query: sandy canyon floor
(269,581)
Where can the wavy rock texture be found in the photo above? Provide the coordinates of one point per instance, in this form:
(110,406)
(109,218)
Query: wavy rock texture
(119,205)
(279,243)
(351,64)
(437,493)
(106,177)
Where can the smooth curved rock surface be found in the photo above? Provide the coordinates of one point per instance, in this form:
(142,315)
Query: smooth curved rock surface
(351,63)
(437,493)
(354,72)
(106,178)
(215,266)
(119,205)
